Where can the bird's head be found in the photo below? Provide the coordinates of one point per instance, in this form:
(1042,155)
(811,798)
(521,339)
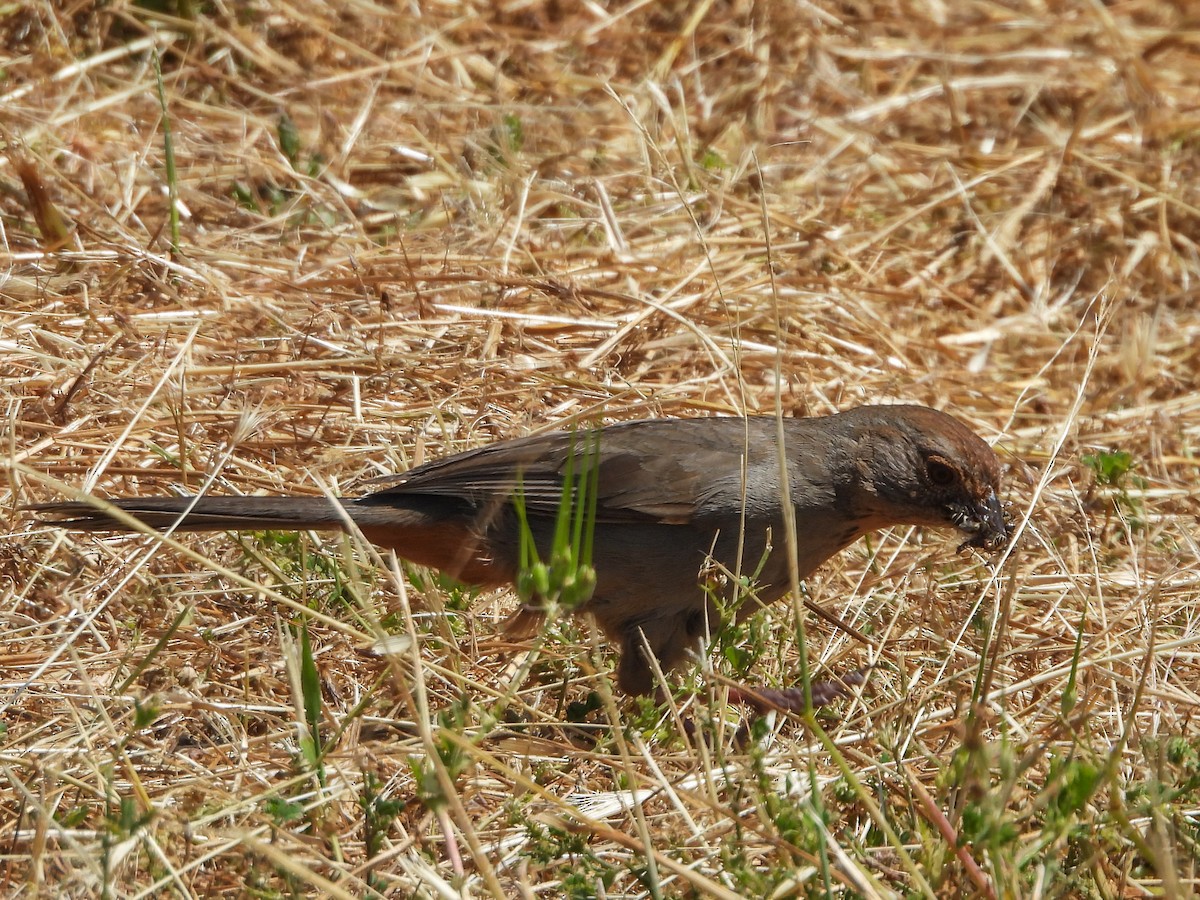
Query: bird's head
(922,467)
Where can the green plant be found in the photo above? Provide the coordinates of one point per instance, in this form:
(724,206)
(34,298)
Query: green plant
(567,579)
(1113,471)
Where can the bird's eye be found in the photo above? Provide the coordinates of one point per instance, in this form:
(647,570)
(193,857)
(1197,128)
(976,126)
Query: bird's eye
(940,474)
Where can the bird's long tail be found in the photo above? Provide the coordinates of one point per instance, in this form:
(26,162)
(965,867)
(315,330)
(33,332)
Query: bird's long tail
(202,514)
(440,532)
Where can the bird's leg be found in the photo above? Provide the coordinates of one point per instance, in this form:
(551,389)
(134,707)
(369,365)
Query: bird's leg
(764,699)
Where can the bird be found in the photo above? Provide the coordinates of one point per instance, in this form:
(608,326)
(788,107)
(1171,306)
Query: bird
(674,506)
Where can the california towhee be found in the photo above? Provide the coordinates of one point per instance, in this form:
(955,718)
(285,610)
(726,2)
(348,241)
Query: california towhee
(673,497)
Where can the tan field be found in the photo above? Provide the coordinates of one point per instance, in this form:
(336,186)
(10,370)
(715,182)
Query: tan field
(287,248)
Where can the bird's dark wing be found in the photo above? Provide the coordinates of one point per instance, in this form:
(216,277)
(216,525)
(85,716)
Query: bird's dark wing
(654,470)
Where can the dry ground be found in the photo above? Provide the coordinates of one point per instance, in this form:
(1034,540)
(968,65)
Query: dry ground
(411,228)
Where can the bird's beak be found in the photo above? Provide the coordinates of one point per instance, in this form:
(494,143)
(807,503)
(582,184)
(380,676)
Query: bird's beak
(987,527)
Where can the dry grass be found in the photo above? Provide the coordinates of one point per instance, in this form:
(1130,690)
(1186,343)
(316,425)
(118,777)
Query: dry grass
(410,229)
